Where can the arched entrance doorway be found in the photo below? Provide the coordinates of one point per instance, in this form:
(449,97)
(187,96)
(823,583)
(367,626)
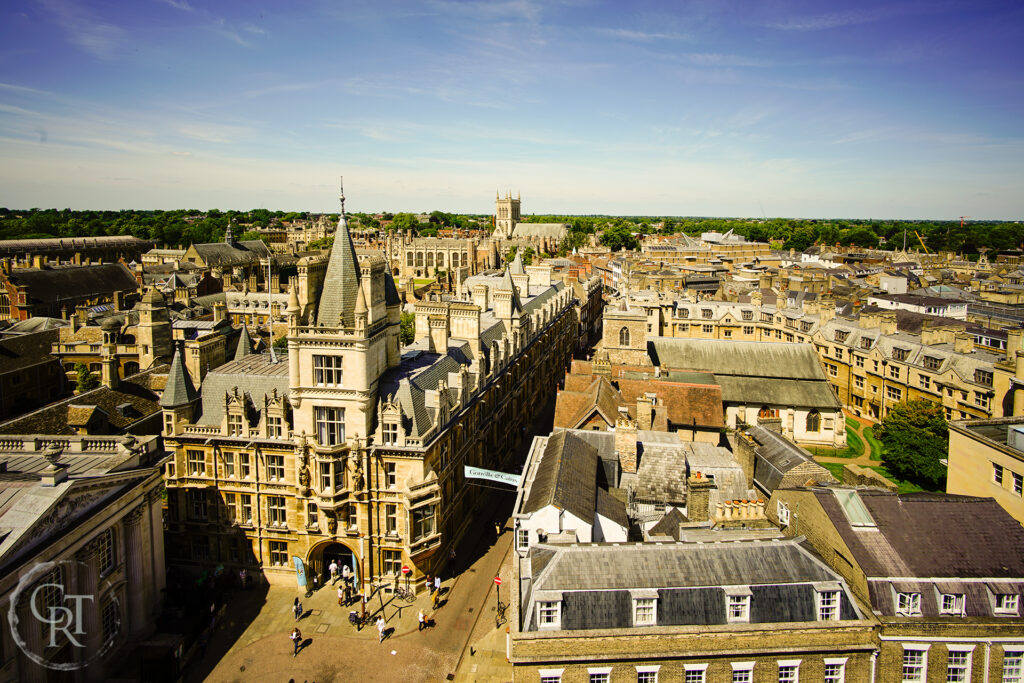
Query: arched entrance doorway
(320,557)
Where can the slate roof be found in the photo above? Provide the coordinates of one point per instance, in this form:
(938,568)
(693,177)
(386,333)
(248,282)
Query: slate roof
(680,565)
(21,351)
(338,297)
(742,358)
(556,230)
(54,284)
(237,253)
(669,524)
(566,477)
(254,375)
(58,417)
(611,508)
(775,456)
(931,535)
(777,391)
(661,471)
(179,390)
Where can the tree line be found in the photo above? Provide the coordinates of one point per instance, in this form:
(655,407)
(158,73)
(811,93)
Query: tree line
(181,227)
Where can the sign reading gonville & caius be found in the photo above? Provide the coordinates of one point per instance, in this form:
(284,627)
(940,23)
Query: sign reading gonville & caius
(500,477)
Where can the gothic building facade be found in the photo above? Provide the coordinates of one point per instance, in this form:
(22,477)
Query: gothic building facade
(352,447)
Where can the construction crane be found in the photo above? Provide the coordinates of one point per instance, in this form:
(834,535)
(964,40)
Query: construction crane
(921,240)
(962,220)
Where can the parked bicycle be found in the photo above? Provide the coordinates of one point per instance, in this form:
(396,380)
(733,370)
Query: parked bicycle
(500,618)
(405,594)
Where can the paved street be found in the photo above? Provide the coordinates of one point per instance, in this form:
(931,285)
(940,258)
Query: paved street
(464,644)
(335,651)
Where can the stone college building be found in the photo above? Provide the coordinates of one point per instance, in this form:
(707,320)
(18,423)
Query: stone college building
(352,447)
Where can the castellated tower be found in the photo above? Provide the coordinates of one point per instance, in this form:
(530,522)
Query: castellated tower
(506,215)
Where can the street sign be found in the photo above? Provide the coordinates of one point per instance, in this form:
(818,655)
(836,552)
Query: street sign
(405,569)
(491,475)
(497,580)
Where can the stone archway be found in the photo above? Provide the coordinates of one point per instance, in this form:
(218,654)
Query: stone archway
(319,559)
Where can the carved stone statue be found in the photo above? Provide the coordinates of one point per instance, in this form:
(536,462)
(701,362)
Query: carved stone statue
(332,523)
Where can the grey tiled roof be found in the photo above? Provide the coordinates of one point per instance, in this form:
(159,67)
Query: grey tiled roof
(254,375)
(753,359)
(179,390)
(680,565)
(566,477)
(244,347)
(338,297)
(222,253)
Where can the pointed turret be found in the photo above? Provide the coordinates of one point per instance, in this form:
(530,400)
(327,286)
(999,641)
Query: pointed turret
(179,390)
(341,284)
(244,347)
(517,264)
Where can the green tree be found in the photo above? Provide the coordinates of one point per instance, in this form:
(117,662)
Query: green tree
(915,436)
(618,237)
(250,235)
(86,380)
(407,332)
(405,221)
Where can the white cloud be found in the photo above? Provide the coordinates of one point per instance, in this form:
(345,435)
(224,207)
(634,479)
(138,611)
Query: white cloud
(93,35)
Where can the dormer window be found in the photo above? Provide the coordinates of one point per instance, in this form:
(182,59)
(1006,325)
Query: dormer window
(952,603)
(275,426)
(645,610)
(737,605)
(828,605)
(684,313)
(1006,603)
(235,424)
(549,614)
(841,335)
(706,313)
(908,604)
(748,315)
(932,363)
(390,433)
(865,342)
(900,354)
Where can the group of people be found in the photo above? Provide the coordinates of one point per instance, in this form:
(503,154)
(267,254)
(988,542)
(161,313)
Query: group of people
(346,591)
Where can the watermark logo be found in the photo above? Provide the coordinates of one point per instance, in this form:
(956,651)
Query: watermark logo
(62,629)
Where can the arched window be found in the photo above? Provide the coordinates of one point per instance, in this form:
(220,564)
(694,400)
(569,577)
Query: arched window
(440,259)
(419,258)
(624,336)
(813,421)
(408,259)
(430,259)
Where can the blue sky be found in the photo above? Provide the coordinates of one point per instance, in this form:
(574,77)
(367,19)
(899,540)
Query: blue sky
(719,108)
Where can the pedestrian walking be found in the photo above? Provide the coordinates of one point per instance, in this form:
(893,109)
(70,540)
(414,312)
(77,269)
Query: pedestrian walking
(436,601)
(296,637)
(437,585)
(497,528)
(348,593)
(380,628)
(423,620)
(242,577)
(297,609)
(342,602)
(430,584)
(346,573)
(334,571)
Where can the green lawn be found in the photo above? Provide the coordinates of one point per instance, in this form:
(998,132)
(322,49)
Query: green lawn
(836,468)
(422,281)
(854,447)
(876,445)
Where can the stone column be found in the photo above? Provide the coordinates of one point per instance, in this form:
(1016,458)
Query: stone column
(137,556)
(156,536)
(86,582)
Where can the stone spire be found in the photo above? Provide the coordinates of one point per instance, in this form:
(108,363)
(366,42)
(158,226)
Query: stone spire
(517,264)
(179,390)
(341,284)
(244,344)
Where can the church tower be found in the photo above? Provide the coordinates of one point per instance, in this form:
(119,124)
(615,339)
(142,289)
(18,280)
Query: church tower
(506,215)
